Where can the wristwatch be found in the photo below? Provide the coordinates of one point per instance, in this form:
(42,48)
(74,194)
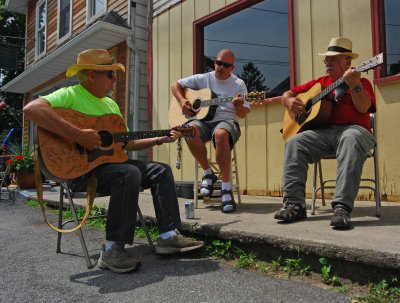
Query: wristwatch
(357,89)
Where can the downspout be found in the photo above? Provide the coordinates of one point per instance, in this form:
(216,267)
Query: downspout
(133,83)
(150,68)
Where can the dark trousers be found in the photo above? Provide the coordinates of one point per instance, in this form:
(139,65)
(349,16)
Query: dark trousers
(122,182)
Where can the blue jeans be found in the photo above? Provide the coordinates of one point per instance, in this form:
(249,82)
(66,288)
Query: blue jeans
(350,144)
(122,182)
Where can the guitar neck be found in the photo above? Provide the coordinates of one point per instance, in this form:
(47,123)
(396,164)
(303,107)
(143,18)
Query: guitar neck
(128,136)
(327,90)
(215,101)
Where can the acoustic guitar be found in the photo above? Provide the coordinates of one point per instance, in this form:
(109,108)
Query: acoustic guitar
(318,108)
(202,101)
(65,159)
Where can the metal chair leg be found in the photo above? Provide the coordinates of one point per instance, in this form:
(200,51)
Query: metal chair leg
(146,230)
(60,213)
(80,234)
(314,189)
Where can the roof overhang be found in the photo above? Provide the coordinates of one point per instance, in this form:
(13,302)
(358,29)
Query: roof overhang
(101,34)
(18,6)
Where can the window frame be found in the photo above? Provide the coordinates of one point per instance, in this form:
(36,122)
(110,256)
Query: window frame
(198,33)
(67,35)
(379,41)
(89,18)
(37,29)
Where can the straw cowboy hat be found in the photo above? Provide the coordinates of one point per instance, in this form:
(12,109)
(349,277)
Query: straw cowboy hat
(340,46)
(93,59)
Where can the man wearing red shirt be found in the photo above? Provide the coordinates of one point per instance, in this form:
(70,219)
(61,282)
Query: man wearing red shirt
(345,134)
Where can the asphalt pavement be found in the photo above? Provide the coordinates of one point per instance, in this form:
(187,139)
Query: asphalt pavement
(31,271)
(369,251)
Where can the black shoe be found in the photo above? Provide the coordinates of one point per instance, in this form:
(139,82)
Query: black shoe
(207,190)
(291,212)
(341,217)
(230,205)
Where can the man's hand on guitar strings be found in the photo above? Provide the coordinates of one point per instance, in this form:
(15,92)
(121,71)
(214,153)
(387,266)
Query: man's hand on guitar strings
(352,77)
(174,135)
(89,138)
(237,100)
(187,109)
(295,105)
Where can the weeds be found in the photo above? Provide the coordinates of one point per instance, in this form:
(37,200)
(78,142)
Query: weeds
(220,249)
(326,274)
(32,202)
(245,260)
(382,292)
(296,266)
(153,231)
(276,264)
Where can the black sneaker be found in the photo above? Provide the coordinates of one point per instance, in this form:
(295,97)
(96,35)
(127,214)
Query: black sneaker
(341,217)
(118,260)
(291,212)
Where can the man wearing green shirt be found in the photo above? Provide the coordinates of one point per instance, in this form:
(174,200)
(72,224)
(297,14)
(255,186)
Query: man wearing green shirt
(122,181)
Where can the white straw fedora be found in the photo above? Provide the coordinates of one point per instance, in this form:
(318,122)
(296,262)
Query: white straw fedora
(94,59)
(340,46)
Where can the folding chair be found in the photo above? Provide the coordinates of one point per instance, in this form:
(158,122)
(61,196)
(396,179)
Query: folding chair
(217,186)
(65,189)
(375,181)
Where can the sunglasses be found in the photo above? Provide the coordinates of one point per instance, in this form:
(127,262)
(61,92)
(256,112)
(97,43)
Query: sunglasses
(110,74)
(224,64)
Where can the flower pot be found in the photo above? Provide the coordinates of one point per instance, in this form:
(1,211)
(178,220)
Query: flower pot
(25,180)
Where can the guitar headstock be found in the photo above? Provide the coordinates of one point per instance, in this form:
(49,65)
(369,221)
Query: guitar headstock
(370,63)
(186,131)
(255,97)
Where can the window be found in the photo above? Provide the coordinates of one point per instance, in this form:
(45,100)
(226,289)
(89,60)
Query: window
(386,35)
(41,24)
(258,36)
(392,36)
(64,19)
(95,8)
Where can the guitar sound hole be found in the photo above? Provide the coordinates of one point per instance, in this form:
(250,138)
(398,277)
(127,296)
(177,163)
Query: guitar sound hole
(106,138)
(196,105)
(308,106)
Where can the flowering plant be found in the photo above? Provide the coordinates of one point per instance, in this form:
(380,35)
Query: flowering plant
(21,161)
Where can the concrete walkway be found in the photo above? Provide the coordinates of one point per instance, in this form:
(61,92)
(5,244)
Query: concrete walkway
(373,242)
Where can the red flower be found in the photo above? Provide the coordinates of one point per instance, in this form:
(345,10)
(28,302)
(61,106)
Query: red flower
(8,162)
(19,158)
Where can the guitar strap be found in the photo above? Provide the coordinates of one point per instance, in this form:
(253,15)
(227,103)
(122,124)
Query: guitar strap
(90,195)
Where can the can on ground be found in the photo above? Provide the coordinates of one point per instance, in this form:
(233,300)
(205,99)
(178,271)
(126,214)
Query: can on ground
(189,210)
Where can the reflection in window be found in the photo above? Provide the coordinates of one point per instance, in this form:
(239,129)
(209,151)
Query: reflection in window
(392,32)
(96,7)
(258,36)
(41,22)
(64,19)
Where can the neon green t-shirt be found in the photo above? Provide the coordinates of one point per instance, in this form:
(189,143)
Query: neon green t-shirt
(79,99)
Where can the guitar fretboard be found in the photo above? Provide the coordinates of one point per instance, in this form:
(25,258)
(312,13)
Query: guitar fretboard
(327,90)
(125,137)
(215,101)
